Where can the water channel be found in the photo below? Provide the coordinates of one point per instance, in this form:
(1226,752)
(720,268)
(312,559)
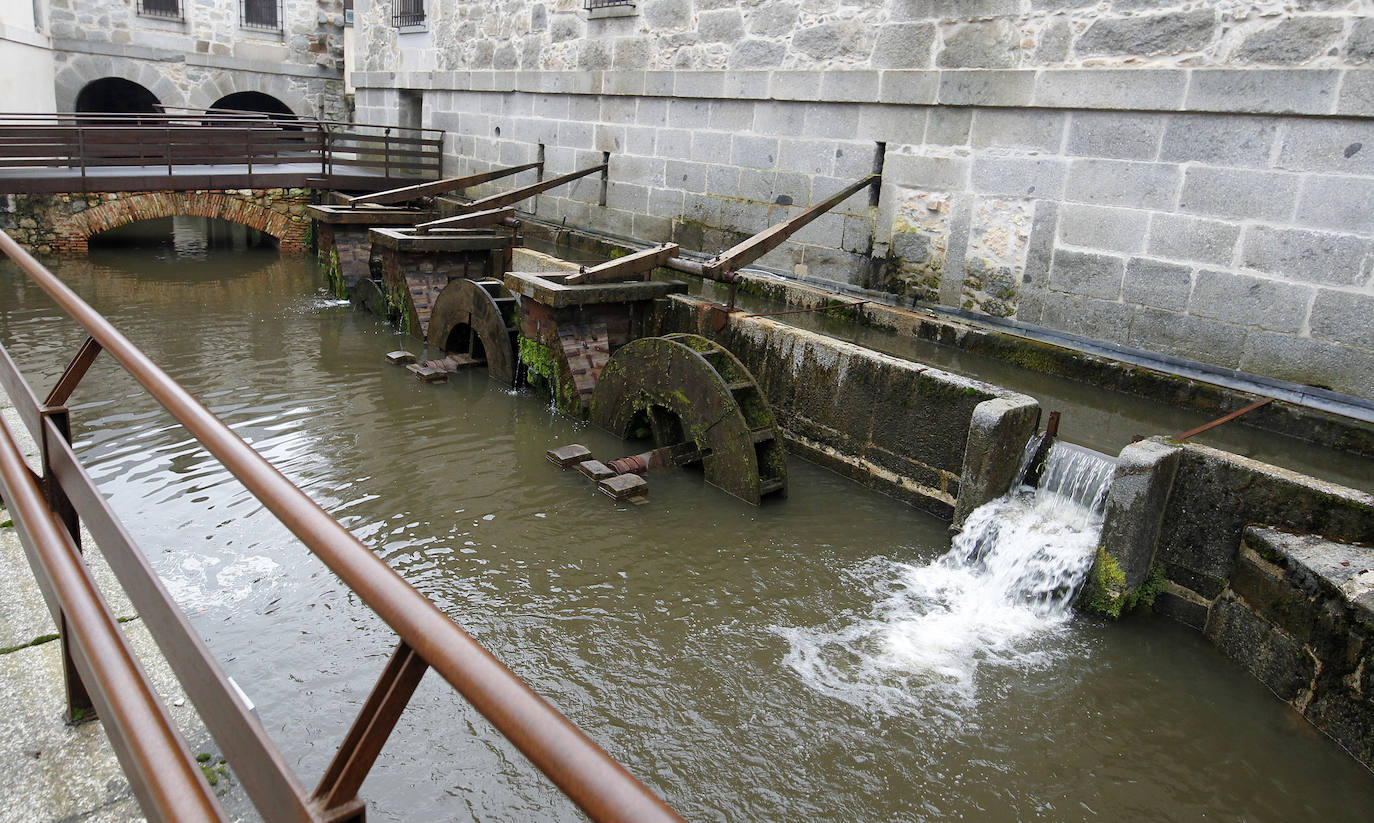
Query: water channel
(749,664)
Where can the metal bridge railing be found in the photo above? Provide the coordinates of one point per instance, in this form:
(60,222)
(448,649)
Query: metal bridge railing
(103,673)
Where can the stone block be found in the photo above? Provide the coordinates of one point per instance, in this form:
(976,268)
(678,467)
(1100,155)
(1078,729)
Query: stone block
(989,87)
(1135,506)
(834,120)
(904,46)
(1249,301)
(1084,273)
(1274,658)
(674,144)
(1238,193)
(892,124)
(700,84)
(795,85)
(1291,40)
(771,19)
(651,112)
(908,87)
(1219,140)
(689,114)
(566,456)
(997,436)
(665,202)
(1357,92)
(1179,237)
(1118,136)
(778,118)
(1309,256)
(985,44)
(720,26)
(849,86)
(722,181)
(1277,91)
(1032,129)
(746,85)
(1309,362)
(710,146)
(1093,318)
(1178,603)
(948,126)
(1341,203)
(606,138)
(807,156)
(1157,284)
(640,140)
(836,40)
(755,153)
(684,175)
(1107,229)
(1343,317)
(732,115)
(1018,176)
(1122,183)
(927,172)
(1146,35)
(1194,338)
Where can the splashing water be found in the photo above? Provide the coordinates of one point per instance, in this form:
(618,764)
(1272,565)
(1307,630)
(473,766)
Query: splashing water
(996,598)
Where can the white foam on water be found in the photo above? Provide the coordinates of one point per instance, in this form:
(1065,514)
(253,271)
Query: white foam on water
(999,597)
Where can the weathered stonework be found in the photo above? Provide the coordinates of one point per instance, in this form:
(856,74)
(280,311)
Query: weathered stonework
(62,223)
(1185,178)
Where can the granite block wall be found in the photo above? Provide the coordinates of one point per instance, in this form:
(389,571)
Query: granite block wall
(1189,178)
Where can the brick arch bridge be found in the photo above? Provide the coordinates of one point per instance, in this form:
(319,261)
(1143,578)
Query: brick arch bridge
(69,220)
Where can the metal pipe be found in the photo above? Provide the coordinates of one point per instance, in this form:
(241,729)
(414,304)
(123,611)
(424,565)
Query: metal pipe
(154,757)
(598,784)
(1224,419)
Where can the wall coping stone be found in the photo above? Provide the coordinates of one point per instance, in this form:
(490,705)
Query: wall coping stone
(1342,92)
(211,61)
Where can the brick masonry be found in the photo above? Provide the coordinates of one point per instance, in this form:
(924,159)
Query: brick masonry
(62,223)
(1103,169)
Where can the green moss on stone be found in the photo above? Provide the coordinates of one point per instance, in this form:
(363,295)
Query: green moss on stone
(1105,591)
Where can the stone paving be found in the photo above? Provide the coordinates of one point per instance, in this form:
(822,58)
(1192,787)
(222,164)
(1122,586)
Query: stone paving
(50,771)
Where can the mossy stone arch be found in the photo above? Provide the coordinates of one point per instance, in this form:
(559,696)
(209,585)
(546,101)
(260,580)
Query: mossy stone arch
(473,315)
(690,389)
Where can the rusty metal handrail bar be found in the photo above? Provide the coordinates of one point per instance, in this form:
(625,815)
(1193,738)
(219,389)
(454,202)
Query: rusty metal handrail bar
(161,770)
(597,783)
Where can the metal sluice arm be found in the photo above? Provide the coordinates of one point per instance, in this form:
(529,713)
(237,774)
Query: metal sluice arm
(516,195)
(598,784)
(723,265)
(406,193)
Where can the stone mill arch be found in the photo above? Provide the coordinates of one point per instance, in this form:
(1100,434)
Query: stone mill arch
(270,211)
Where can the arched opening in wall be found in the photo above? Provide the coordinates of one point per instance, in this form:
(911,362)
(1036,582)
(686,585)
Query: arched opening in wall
(464,340)
(258,103)
(115,95)
(176,241)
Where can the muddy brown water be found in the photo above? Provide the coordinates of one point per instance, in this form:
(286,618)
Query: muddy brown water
(670,632)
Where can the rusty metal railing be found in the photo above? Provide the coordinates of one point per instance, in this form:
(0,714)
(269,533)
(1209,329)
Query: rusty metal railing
(152,755)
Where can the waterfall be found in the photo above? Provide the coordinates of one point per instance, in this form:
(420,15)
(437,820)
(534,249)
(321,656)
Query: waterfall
(1003,588)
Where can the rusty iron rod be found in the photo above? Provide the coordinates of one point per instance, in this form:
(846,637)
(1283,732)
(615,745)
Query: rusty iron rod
(471,220)
(599,785)
(164,776)
(812,309)
(404,193)
(1224,419)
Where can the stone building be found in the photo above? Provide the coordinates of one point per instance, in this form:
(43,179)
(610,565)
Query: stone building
(1191,177)
(283,56)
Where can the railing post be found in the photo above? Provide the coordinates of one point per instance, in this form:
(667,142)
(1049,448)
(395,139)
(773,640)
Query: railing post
(248,152)
(386,152)
(79,706)
(167,137)
(81,155)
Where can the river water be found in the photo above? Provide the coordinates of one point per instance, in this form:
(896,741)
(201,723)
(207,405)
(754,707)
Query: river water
(748,664)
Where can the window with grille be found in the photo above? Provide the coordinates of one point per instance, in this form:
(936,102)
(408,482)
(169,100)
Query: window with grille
(170,9)
(260,14)
(607,4)
(408,13)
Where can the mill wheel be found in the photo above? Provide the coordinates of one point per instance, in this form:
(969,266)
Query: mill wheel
(687,389)
(367,295)
(477,318)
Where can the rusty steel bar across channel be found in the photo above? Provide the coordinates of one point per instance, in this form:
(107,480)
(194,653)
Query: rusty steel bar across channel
(593,780)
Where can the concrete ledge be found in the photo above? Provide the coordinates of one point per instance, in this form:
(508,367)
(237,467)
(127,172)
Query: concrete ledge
(1344,92)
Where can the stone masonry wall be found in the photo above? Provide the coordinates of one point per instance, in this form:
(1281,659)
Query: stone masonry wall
(61,223)
(205,55)
(1194,179)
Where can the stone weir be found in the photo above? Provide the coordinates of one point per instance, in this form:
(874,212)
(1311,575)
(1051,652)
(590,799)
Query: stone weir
(343,244)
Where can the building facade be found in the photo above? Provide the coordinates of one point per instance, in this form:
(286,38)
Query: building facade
(1187,177)
(284,56)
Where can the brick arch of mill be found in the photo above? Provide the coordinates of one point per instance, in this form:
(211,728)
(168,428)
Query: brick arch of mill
(276,212)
